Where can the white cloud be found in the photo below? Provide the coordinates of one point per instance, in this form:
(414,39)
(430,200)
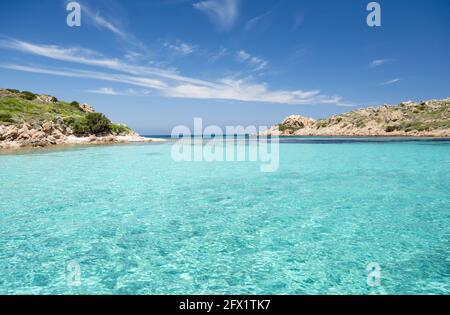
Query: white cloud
(102,76)
(166,82)
(391,81)
(242,90)
(242,55)
(222,52)
(106,91)
(225,89)
(87,57)
(223,13)
(112,91)
(252,23)
(133,56)
(73,54)
(378,62)
(256,62)
(102,22)
(180,47)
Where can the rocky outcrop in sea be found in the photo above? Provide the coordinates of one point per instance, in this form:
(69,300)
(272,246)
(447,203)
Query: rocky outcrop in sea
(13,137)
(408,119)
(33,120)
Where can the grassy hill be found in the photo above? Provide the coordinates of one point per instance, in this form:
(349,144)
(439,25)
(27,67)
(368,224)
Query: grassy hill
(23,107)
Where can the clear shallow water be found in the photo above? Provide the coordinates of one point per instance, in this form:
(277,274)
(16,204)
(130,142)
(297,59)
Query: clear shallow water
(138,223)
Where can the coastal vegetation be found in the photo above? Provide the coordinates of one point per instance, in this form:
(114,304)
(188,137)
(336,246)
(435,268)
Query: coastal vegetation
(29,119)
(92,124)
(429,118)
(19,107)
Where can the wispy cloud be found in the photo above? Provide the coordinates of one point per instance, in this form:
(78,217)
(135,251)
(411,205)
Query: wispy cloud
(102,76)
(106,23)
(91,58)
(180,47)
(225,89)
(105,91)
(167,83)
(133,56)
(103,23)
(391,81)
(378,62)
(114,92)
(243,90)
(256,62)
(242,55)
(216,56)
(72,54)
(222,13)
(252,23)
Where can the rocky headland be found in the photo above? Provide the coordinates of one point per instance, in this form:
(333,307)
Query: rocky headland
(408,119)
(33,120)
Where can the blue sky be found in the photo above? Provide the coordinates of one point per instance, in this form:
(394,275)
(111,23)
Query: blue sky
(157,64)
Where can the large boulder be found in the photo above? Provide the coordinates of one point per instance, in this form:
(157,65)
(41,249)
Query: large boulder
(57,134)
(38,135)
(10,133)
(47,127)
(87,108)
(92,138)
(51,140)
(46,99)
(298,122)
(109,138)
(25,135)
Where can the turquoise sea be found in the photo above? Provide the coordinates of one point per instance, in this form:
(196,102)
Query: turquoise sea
(136,222)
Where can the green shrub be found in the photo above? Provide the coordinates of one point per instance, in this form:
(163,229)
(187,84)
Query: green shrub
(391,128)
(421,107)
(360,123)
(283,128)
(75,103)
(322,124)
(442,124)
(119,129)
(28,95)
(92,123)
(98,123)
(6,118)
(416,126)
(13,91)
(80,127)
(69,121)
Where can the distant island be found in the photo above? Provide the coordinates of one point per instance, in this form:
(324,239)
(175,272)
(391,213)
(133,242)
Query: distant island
(34,120)
(408,119)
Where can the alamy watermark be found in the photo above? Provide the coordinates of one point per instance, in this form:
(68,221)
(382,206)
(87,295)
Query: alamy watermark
(74,17)
(374,17)
(235,144)
(373,274)
(73,275)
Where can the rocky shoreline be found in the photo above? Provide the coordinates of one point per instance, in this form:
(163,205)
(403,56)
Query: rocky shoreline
(34,120)
(49,134)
